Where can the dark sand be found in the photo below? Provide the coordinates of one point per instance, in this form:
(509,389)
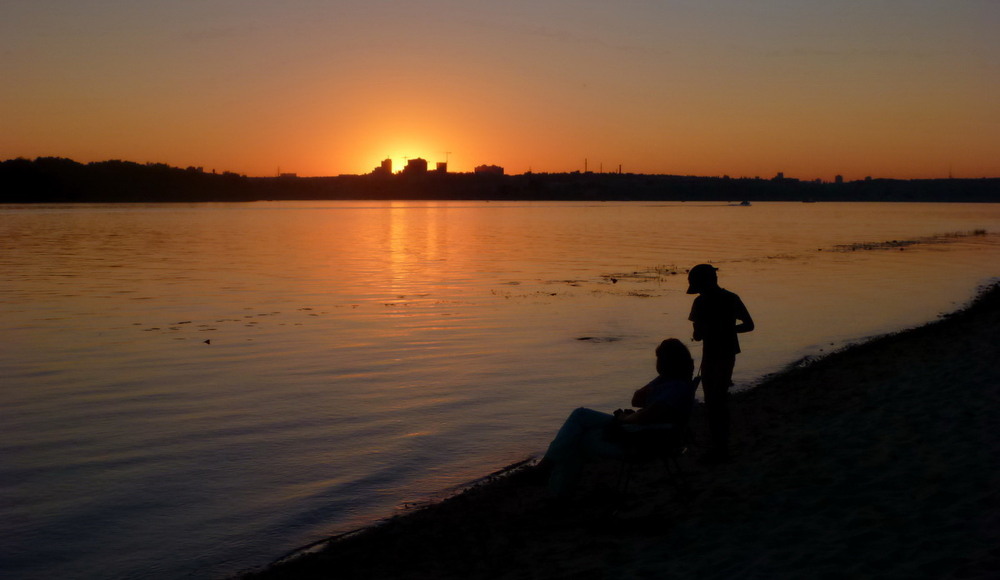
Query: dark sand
(878,461)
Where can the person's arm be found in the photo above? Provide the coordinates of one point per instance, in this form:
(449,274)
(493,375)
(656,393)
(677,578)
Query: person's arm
(652,414)
(743,315)
(658,411)
(695,324)
(642,414)
(640,396)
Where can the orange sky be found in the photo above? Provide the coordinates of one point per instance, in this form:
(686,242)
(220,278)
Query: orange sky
(895,88)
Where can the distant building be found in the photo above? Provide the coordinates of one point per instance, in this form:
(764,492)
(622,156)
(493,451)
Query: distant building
(384,169)
(489,170)
(442,167)
(416,166)
(838,179)
(780,178)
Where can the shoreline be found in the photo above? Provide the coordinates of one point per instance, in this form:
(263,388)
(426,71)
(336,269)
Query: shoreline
(876,460)
(60,180)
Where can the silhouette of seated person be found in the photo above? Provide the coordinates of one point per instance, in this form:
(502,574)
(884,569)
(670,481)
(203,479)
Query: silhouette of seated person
(586,433)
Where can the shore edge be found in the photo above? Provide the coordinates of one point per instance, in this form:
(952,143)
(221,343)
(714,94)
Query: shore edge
(878,459)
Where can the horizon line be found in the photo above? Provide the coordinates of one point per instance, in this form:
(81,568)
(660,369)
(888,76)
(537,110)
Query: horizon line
(779,176)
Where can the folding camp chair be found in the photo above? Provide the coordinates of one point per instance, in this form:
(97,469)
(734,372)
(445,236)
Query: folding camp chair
(648,443)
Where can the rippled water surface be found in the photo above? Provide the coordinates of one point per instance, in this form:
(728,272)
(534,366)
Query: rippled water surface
(191,390)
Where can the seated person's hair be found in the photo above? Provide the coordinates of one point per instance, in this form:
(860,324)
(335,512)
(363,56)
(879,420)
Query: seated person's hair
(673,360)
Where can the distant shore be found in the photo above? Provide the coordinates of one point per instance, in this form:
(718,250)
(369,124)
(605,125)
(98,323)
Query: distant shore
(58,180)
(877,461)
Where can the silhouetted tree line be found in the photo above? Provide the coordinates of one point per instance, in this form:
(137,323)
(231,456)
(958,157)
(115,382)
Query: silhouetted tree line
(58,180)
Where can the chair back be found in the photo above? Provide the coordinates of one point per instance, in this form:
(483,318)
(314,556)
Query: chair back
(655,441)
(660,440)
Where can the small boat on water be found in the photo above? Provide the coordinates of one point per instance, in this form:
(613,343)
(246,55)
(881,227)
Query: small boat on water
(745,203)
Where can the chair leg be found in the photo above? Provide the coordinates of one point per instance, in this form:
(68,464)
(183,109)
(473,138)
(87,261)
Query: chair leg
(676,474)
(670,464)
(624,475)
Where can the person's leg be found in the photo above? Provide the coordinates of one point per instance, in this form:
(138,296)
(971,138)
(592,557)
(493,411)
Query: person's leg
(579,422)
(716,378)
(579,437)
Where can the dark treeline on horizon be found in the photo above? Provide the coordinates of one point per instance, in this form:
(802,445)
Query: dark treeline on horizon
(58,180)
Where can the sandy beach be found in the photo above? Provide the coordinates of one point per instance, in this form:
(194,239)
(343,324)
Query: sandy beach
(881,460)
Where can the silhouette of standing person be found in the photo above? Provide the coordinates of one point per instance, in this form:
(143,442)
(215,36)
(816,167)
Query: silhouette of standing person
(718,315)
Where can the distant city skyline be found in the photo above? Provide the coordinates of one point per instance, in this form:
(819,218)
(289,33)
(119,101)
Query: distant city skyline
(895,89)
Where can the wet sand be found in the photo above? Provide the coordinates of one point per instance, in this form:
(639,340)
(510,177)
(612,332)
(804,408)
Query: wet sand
(878,461)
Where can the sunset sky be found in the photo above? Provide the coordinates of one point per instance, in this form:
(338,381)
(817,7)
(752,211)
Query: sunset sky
(887,88)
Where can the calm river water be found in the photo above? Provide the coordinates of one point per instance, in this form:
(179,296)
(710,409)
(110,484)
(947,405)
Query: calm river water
(191,390)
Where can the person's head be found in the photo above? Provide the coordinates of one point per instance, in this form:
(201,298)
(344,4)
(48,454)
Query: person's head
(702,277)
(673,360)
